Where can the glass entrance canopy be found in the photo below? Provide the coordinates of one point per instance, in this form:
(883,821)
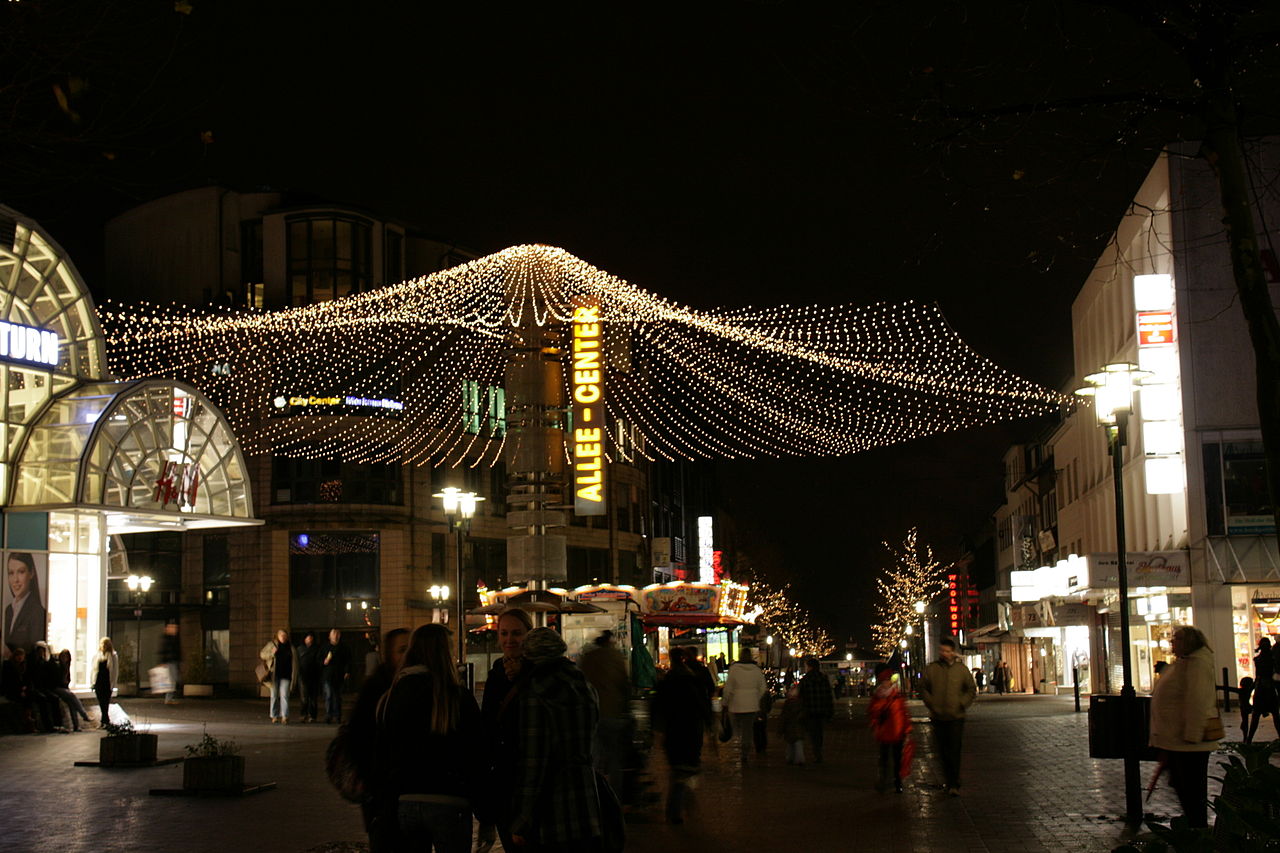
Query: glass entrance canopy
(150,455)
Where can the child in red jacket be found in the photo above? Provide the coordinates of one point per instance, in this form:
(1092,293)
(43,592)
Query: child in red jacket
(890,726)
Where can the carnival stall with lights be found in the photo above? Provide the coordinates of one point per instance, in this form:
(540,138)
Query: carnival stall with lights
(85,460)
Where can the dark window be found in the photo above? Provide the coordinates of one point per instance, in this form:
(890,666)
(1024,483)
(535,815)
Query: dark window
(333,579)
(157,555)
(328,258)
(217,571)
(309,481)
(251,275)
(393,257)
(587,565)
(1237,501)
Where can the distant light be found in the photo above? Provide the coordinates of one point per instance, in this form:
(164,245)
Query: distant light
(303,540)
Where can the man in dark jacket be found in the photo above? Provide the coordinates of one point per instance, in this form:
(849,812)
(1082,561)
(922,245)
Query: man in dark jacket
(606,671)
(337,663)
(818,703)
(309,670)
(556,803)
(948,690)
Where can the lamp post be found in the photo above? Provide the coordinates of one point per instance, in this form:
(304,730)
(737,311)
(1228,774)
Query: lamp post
(440,602)
(459,509)
(924,646)
(768,652)
(139,586)
(1112,392)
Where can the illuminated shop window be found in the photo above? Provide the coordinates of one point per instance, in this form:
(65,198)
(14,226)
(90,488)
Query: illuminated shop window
(484,409)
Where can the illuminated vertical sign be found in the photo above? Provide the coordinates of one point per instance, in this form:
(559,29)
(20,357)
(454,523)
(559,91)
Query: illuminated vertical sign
(706,550)
(1164,464)
(953,603)
(586,381)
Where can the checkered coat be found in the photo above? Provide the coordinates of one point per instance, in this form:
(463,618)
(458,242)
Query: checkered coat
(555,796)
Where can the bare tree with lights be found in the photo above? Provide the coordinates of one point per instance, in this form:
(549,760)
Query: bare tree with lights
(914,576)
(790,624)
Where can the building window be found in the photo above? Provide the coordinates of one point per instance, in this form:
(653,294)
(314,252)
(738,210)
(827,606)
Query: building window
(253,290)
(484,409)
(333,580)
(329,258)
(311,481)
(1237,501)
(393,256)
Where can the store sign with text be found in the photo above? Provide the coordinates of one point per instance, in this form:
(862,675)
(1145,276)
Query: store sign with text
(177,483)
(1145,568)
(1155,328)
(586,382)
(333,404)
(26,345)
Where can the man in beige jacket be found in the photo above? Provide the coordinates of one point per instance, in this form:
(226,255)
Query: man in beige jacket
(948,690)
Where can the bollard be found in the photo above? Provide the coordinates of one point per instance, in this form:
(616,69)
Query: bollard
(1075,680)
(1226,690)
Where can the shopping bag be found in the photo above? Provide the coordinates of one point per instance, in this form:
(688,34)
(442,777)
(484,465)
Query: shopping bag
(908,753)
(159,677)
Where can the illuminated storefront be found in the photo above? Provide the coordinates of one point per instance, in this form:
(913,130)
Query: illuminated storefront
(84,459)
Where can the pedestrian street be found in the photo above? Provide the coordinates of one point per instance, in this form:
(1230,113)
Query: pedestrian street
(1028,785)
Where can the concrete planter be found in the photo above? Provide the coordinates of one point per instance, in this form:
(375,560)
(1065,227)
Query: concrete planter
(219,773)
(116,750)
(197,690)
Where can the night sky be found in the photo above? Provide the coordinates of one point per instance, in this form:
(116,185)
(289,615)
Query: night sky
(719,154)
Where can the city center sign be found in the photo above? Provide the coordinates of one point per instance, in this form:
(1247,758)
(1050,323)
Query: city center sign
(587,384)
(27,345)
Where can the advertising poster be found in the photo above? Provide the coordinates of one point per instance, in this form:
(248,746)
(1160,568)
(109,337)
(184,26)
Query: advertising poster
(25,599)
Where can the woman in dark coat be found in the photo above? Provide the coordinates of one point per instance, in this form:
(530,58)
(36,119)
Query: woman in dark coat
(430,747)
(682,712)
(1264,690)
(557,807)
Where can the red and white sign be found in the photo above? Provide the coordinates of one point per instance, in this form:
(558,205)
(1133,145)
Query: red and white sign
(1155,328)
(178,483)
(953,602)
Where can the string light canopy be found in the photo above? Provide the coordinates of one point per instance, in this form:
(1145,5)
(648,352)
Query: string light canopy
(681,383)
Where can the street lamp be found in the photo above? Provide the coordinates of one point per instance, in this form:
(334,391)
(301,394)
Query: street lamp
(768,655)
(440,601)
(459,509)
(139,586)
(1112,392)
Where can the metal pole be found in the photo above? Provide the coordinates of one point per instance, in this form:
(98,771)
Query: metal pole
(1226,690)
(1075,680)
(137,648)
(1128,703)
(461,627)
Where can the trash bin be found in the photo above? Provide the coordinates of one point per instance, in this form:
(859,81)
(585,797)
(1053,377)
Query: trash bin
(1107,730)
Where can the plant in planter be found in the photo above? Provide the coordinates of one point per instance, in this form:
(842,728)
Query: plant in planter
(213,765)
(123,745)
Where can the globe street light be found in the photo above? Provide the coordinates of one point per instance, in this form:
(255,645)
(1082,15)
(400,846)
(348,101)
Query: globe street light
(459,509)
(1112,392)
(139,585)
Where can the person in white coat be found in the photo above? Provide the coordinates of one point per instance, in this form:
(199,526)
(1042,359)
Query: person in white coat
(1183,706)
(743,690)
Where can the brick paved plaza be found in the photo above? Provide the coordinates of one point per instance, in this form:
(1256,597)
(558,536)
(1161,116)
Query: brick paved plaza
(1028,785)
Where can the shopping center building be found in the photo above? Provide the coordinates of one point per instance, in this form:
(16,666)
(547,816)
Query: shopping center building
(88,465)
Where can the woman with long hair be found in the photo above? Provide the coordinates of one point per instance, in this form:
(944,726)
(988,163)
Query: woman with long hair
(502,723)
(25,618)
(1183,704)
(106,668)
(63,690)
(431,746)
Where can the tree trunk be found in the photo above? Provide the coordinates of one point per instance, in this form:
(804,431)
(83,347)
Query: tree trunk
(1225,154)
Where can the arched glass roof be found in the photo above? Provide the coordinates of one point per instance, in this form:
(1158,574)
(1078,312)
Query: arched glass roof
(40,287)
(154,449)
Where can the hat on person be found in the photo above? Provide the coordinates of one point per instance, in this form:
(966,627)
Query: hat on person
(543,644)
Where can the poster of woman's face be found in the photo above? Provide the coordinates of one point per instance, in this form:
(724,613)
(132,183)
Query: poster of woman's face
(26,599)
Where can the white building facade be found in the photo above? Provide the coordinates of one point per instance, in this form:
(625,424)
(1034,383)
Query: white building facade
(1198,518)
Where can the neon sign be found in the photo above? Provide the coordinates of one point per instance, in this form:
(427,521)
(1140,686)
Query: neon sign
(33,346)
(953,602)
(336,402)
(587,384)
